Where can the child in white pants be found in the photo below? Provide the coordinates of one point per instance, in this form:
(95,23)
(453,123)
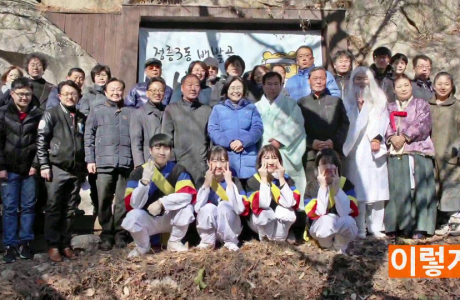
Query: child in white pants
(220,202)
(334,207)
(273,197)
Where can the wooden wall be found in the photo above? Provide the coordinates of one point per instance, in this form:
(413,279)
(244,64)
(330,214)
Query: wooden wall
(113,39)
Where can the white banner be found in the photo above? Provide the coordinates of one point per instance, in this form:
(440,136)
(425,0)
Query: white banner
(177,48)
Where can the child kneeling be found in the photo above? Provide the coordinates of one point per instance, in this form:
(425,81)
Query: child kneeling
(159,198)
(334,205)
(220,202)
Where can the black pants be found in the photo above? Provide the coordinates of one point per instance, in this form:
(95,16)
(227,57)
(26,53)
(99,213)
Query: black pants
(110,184)
(93,192)
(60,208)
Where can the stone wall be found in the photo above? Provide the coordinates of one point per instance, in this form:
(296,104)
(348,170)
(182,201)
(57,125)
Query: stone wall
(23,30)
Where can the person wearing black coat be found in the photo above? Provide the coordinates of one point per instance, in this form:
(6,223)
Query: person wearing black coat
(18,165)
(61,154)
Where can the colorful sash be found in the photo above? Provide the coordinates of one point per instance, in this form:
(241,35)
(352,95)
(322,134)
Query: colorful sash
(219,190)
(276,192)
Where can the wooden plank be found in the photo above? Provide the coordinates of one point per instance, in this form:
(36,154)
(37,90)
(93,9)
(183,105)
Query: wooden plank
(101,40)
(110,40)
(84,31)
(77,24)
(91,35)
(96,38)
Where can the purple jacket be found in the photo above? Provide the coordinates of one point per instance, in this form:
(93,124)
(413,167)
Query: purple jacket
(416,127)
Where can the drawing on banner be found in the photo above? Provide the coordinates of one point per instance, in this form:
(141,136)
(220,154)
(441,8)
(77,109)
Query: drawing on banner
(288,60)
(177,49)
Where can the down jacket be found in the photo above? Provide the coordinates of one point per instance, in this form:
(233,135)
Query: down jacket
(228,123)
(107,140)
(17,139)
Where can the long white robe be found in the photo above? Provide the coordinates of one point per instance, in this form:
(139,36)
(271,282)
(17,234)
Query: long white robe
(366,169)
(283,121)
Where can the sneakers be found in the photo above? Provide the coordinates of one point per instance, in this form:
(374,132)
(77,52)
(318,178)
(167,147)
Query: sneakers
(204,246)
(448,229)
(231,246)
(138,252)
(443,230)
(379,235)
(177,246)
(362,236)
(454,229)
(10,254)
(24,251)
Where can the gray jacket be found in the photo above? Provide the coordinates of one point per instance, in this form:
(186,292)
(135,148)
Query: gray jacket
(186,123)
(107,141)
(89,102)
(145,123)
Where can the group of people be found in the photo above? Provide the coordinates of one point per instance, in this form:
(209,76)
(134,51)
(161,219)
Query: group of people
(366,151)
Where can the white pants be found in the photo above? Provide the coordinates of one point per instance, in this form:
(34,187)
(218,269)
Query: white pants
(332,230)
(370,217)
(273,224)
(142,225)
(220,222)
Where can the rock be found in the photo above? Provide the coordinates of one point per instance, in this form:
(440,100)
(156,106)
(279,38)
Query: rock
(42,267)
(8,274)
(88,242)
(24,29)
(41,257)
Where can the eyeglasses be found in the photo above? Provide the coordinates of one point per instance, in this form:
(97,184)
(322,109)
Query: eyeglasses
(23,95)
(157,91)
(421,67)
(73,95)
(151,67)
(237,89)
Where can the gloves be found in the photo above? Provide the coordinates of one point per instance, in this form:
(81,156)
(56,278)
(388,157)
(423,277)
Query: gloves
(149,169)
(155,208)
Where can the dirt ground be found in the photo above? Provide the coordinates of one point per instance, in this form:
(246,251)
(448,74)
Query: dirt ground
(259,271)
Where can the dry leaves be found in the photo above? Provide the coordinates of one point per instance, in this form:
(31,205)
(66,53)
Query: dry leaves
(258,271)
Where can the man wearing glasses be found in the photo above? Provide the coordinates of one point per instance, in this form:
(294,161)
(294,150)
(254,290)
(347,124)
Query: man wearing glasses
(421,85)
(213,70)
(61,156)
(298,86)
(18,165)
(146,121)
(138,94)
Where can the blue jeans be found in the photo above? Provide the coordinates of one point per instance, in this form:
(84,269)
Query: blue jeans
(18,196)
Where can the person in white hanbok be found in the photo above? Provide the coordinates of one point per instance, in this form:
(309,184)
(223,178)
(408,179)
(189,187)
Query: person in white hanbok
(220,202)
(284,128)
(366,151)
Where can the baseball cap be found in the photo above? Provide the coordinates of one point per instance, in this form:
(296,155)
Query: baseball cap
(211,62)
(152,61)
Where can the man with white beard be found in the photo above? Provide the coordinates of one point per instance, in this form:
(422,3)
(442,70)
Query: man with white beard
(365,149)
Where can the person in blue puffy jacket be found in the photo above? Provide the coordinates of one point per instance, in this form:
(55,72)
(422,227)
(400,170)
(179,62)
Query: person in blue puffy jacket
(236,125)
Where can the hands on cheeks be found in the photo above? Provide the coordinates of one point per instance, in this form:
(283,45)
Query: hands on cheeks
(323,179)
(236,146)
